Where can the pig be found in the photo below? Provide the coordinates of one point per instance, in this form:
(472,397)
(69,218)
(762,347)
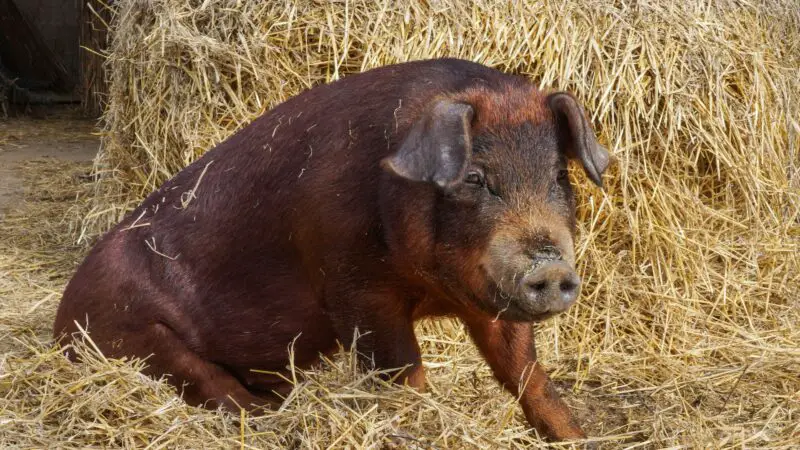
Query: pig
(430,188)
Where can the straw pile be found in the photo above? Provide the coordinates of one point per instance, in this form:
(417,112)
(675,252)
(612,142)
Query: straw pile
(688,330)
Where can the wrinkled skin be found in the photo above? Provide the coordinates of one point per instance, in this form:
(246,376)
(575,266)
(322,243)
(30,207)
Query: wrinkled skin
(431,188)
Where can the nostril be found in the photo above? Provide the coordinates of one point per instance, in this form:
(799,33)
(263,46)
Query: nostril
(539,286)
(567,286)
(554,284)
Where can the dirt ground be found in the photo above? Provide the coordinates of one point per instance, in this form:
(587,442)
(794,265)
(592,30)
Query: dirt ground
(60,132)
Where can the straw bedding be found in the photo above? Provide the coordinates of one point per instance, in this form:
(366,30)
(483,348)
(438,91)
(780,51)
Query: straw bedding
(688,329)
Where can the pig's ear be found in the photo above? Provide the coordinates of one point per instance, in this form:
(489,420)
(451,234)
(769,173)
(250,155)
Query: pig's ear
(438,146)
(577,136)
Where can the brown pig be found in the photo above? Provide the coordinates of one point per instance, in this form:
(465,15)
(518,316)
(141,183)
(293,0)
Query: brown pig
(429,188)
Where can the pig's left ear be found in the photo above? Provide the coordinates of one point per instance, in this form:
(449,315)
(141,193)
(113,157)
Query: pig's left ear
(577,136)
(438,146)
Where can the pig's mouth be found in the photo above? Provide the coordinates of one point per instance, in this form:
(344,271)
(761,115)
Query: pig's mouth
(512,308)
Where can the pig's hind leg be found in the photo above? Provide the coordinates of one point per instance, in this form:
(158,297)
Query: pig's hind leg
(201,382)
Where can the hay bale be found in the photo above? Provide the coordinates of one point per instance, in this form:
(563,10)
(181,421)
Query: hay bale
(688,330)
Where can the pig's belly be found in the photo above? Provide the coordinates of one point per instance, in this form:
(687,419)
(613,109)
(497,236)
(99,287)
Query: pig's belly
(257,327)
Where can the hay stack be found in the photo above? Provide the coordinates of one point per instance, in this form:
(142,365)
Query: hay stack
(688,330)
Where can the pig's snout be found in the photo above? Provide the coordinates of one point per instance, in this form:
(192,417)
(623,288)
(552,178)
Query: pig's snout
(551,288)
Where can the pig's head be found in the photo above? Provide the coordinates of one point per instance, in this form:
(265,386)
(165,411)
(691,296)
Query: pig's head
(500,234)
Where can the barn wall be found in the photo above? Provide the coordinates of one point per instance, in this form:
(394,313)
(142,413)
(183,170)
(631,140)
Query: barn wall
(58,22)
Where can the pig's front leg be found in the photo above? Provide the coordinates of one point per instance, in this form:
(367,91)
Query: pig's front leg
(386,338)
(510,351)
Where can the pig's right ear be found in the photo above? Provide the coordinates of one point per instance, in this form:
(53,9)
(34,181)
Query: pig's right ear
(437,148)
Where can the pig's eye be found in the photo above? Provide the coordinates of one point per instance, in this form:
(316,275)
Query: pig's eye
(474,177)
(563,175)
